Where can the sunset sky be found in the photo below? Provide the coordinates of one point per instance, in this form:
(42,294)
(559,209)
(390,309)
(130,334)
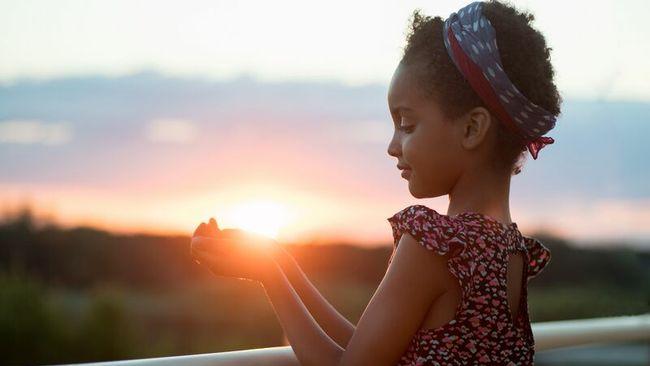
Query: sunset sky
(143,116)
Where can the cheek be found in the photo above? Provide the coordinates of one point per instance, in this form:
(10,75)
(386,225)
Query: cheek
(421,152)
(431,159)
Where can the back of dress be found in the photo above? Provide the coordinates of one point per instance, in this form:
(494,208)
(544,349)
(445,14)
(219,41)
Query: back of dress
(483,330)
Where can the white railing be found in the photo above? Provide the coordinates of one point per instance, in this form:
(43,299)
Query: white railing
(548,335)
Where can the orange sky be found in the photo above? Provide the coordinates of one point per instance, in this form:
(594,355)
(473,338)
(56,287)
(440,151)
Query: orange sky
(295,215)
(311,157)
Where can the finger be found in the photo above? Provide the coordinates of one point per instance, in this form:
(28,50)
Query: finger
(213,229)
(211,242)
(201,230)
(211,245)
(202,243)
(201,255)
(211,260)
(213,223)
(197,231)
(205,230)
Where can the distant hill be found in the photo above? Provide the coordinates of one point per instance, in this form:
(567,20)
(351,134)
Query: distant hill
(84,257)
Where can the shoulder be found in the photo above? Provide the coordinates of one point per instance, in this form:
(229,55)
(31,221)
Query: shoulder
(432,230)
(414,280)
(416,264)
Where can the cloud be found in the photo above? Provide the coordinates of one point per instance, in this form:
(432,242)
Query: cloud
(362,131)
(35,132)
(171,130)
(373,131)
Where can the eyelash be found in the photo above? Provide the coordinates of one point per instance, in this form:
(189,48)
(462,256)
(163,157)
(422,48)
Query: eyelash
(405,129)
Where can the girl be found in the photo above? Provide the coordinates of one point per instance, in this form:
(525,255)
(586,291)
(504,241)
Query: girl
(471,94)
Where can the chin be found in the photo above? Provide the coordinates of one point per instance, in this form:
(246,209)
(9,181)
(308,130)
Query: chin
(419,195)
(415,191)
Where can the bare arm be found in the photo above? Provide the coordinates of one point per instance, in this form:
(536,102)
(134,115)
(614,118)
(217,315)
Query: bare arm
(331,321)
(311,345)
(414,279)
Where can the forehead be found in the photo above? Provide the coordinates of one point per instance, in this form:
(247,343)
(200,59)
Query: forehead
(403,91)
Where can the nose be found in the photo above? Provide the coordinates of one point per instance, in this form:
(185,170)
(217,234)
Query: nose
(394,147)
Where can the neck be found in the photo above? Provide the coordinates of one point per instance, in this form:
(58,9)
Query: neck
(483,191)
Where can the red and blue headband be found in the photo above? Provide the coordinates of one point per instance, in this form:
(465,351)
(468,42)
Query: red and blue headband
(471,43)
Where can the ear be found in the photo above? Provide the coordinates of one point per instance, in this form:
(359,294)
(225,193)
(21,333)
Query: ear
(476,125)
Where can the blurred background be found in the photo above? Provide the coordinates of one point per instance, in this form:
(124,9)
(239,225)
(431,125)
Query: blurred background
(124,124)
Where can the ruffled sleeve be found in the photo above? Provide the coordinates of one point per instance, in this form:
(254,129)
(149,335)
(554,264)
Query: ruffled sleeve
(538,256)
(434,231)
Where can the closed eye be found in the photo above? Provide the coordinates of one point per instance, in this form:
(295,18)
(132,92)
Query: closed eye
(406,129)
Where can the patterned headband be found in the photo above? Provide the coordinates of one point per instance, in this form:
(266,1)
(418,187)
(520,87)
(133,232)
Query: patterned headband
(471,43)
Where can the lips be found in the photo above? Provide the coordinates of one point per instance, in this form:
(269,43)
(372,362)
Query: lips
(406,170)
(406,173)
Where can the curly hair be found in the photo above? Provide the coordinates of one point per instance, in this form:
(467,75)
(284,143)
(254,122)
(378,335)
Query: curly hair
(525,58)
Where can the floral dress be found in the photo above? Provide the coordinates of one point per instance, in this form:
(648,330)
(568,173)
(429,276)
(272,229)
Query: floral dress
(482,332)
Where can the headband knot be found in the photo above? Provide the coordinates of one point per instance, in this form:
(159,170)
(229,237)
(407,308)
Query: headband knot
(471,43)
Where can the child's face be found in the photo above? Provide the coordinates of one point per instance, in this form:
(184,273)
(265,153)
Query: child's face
(423,140)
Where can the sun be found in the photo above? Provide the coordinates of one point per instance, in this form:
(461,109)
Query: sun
(261,217)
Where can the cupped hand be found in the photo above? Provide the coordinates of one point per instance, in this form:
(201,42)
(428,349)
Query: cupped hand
(233,252)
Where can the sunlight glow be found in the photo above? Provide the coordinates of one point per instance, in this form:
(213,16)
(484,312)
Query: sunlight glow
(261,217)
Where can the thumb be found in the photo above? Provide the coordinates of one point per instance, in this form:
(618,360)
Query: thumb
(214,222)
(213,225)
